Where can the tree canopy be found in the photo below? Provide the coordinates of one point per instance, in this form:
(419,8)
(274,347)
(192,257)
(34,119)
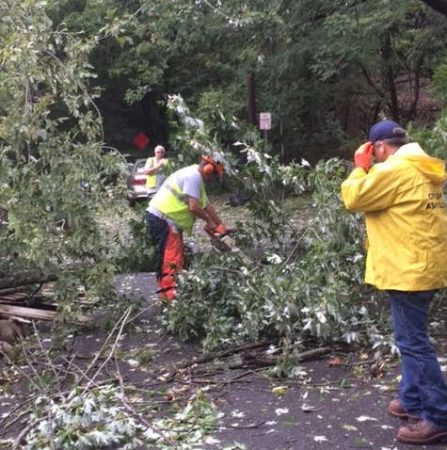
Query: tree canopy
(307,61)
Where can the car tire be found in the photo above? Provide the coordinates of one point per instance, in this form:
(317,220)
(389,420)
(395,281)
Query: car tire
(131,202)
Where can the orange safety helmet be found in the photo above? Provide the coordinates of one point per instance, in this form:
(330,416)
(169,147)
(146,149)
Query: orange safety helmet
(211,166)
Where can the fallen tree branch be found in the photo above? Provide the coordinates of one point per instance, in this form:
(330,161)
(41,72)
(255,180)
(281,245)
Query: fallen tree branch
(98,355)
(234,359)
(25,279)
(212,357)
(112,351)
(25,431)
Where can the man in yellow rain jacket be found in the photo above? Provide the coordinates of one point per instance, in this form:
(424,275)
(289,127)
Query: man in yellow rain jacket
(402,198)
(174,209)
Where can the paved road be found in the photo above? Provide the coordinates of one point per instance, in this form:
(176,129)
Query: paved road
(324,407)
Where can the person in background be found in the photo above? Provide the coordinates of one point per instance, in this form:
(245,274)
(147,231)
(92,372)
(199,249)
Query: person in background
(155,169)
(174,209)
(402,198)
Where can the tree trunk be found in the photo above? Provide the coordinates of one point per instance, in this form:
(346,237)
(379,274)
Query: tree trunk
(389,78)
(251,99)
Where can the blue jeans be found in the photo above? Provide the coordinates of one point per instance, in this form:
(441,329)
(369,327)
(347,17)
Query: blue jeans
(423,391)
(158,230)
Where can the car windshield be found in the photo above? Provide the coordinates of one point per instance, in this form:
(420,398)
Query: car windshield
(139,166)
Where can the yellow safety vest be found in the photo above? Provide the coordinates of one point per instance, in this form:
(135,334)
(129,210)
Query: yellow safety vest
(173,203)
(151,180)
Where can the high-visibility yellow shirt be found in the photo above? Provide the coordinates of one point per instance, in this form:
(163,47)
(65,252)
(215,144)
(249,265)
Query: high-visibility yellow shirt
(154,181)
(151,180)
(406,219)
(174,204)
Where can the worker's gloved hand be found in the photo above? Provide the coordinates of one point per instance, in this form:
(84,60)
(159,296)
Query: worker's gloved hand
(209,228)
(222,230)
(218,230)
(363,156)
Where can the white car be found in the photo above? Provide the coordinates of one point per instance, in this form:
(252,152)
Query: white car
(136,182)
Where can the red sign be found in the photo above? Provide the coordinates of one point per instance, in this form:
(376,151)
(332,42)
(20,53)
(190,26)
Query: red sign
(265,121)
(141,140)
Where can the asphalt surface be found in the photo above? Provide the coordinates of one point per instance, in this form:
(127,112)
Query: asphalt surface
(338,401)
(327,406)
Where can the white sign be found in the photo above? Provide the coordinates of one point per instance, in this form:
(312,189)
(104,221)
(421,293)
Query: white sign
(265,121)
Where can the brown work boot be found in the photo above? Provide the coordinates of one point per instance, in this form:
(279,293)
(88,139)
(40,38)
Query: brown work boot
(396,410)
(421,432)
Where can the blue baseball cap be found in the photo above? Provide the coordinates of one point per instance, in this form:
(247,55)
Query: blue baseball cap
(386,129)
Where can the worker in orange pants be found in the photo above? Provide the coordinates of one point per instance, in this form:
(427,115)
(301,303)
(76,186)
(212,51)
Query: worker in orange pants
(174,209)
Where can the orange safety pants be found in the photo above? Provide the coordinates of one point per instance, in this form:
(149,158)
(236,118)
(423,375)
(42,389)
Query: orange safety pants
(169,242)
(172,261)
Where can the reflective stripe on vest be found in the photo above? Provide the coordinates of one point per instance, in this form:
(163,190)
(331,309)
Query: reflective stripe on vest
(151,180)
(174,204)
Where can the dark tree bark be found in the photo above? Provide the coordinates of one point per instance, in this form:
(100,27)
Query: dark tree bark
(416,90)
(390,79)
(251,99)
(437,5)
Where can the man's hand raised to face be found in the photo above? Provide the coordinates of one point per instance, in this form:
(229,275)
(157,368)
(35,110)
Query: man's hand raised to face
(363,156)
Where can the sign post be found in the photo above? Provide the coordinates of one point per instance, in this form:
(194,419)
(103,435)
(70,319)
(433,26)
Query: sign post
(265,123)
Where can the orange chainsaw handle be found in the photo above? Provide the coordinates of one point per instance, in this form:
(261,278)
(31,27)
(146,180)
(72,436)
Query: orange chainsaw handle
(219,231)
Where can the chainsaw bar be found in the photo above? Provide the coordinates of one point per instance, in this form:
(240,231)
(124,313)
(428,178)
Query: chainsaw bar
(227,244)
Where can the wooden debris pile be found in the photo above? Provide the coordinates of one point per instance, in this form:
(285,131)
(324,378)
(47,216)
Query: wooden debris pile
(18,308)
(22,304)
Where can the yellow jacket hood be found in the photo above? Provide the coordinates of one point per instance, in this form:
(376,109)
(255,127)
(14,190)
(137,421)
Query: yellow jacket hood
(432,168)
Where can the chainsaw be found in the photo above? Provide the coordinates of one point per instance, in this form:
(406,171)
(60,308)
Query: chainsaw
(225,243)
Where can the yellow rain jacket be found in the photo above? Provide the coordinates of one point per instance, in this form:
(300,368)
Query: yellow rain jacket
(406,219)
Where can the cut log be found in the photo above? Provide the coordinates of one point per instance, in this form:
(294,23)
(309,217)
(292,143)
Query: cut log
(14,297)
(31,313)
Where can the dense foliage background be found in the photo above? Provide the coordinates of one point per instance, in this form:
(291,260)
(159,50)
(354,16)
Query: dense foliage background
(326,70)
